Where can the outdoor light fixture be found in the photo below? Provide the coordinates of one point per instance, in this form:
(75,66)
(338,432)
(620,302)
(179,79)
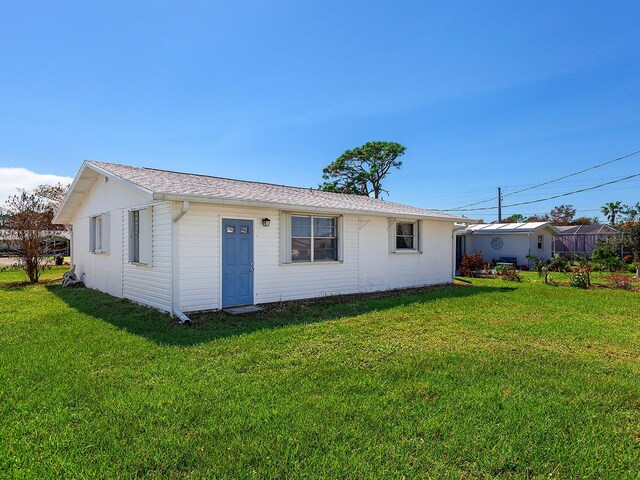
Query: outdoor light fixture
(265,222)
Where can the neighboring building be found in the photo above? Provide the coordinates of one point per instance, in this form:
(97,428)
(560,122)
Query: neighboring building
(181,242)
(508,242)
(54,242)
(581,239)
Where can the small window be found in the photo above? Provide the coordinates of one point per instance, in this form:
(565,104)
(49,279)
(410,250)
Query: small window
(540,242)
(140,236)
(313,239)
(99,233)
(406,236)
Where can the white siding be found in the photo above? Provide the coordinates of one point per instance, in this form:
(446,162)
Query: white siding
(381,270)
(517,245)
(102,271)
(367,265)
(198,252)
(150,284)
(546,251)
(514,245)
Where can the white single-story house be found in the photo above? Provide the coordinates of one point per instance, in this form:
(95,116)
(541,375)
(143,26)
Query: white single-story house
(181,242)
(506,241)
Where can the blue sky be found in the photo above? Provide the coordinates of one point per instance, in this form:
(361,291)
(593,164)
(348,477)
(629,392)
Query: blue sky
(482,94)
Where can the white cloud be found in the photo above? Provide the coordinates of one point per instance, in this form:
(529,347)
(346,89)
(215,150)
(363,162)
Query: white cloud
(13,178)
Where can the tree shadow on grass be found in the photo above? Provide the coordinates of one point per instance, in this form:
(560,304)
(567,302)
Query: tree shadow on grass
(209,326)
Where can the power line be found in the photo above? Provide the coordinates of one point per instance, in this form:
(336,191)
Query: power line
(593,167)
(549,198)
(574,174)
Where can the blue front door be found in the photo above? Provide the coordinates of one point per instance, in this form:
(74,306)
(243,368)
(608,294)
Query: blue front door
(237,262)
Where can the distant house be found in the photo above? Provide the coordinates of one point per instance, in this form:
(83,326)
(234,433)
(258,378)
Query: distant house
(508,242)
(181,242)
(54,242)
(581,239)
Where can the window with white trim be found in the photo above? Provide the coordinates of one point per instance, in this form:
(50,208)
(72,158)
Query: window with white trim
(99,233)
(540,242)
(313,238)
(140,235)
(406,236)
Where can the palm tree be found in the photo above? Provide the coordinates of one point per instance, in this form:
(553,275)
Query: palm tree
(610,210)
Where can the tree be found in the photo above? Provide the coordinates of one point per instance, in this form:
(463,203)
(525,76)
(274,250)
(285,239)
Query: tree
(54,194)
(361,171)
(28,222)
(631,240)
(632,213)
(611,210)
(562,215)
(538,218)
(585,221)
(515,218)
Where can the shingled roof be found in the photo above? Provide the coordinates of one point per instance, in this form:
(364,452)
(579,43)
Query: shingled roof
(169,185)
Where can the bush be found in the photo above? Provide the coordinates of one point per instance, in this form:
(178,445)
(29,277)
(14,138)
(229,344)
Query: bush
(612,264)
(559,264)
(604,251)
(628,258)
(579,280)
(510,274)
(581,277)
(472,264)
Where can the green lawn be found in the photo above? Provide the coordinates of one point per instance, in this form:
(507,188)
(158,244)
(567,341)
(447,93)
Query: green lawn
(509,380)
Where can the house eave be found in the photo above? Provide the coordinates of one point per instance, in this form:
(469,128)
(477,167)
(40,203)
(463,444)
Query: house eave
(63,216)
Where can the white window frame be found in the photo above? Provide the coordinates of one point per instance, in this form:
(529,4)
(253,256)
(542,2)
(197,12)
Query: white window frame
(99,233)
(540,242)
(286,226)
(140,235)
(393,236)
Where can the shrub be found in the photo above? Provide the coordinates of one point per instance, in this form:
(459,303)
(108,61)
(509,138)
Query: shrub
(604,251)
(581,277)
(558,264)
(579,280)
(612,264)
(511,274)
(472,264)
(628,259)
(524,268)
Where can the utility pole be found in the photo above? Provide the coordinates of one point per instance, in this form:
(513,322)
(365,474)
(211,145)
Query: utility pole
(499,205)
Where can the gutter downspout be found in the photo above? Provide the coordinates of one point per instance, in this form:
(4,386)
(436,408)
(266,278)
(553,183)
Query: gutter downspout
(183,210)
(175,310)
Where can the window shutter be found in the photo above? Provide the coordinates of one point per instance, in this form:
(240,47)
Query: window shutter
(285,237)
(106,231)
(419,235)
(391,227)
(340,237)
(130,234)
(146,235)
(92,234)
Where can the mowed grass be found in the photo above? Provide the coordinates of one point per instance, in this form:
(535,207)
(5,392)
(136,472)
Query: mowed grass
(497,379)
